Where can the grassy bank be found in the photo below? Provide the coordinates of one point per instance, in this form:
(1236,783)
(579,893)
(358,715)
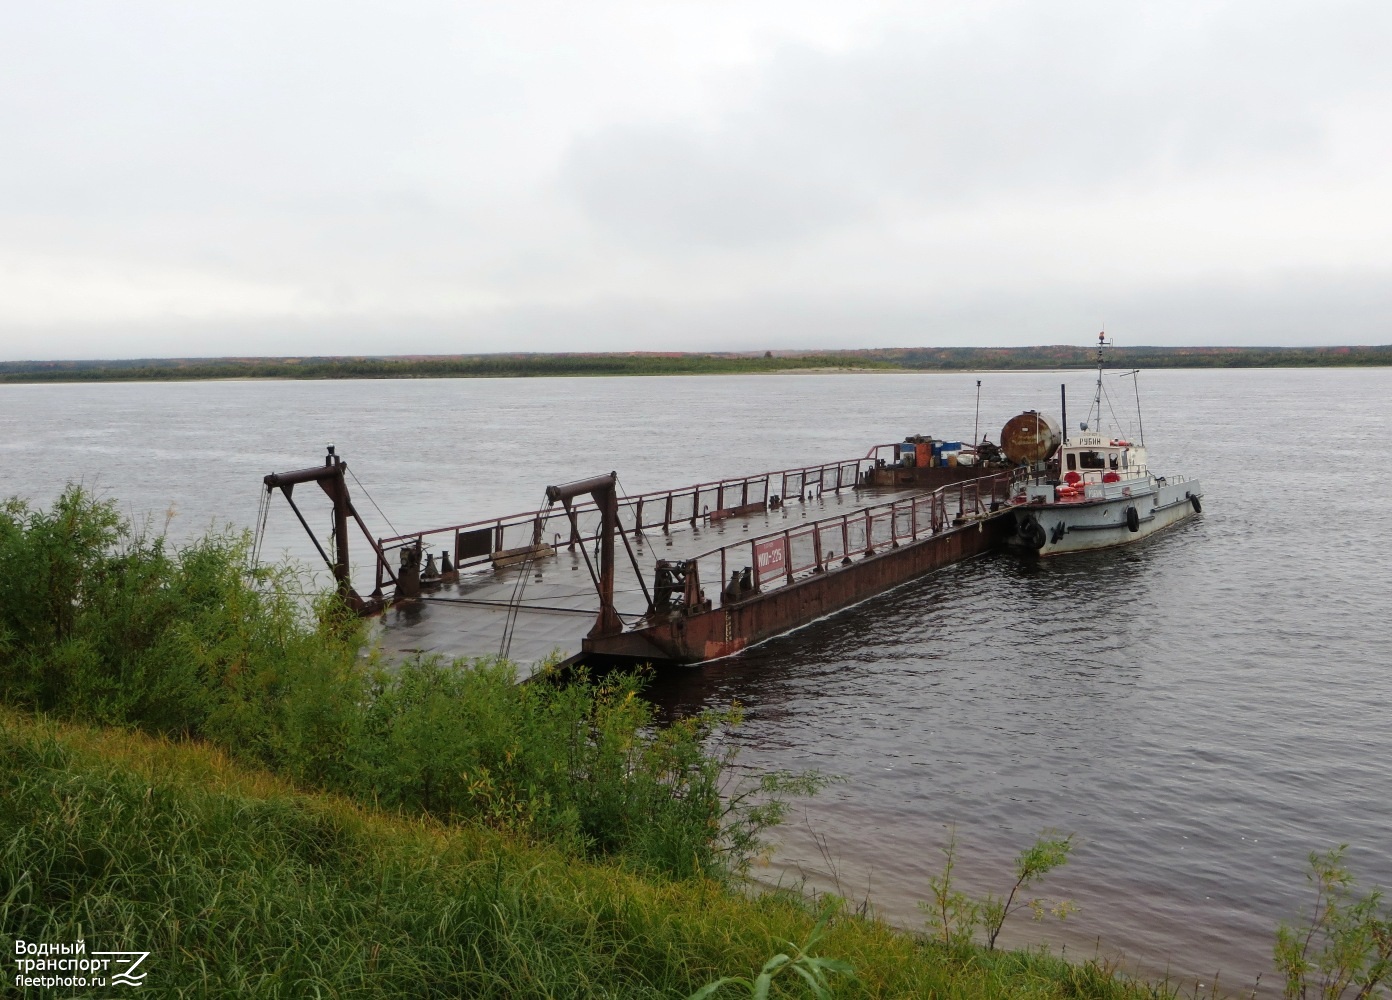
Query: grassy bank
(238,883)
(194,763)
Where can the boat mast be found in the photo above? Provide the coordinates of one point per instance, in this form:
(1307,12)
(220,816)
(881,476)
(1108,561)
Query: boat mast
(1102,342)
(976,430)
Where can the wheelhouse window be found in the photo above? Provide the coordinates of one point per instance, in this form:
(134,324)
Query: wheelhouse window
(1072,462)
(1091,460)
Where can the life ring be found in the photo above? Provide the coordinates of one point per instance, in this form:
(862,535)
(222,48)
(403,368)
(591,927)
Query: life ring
(1194,502)
(1133,519)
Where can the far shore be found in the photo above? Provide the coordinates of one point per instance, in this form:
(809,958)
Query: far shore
(867,361)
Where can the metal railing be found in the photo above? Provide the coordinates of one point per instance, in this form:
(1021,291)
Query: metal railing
(779,558)
(477,542)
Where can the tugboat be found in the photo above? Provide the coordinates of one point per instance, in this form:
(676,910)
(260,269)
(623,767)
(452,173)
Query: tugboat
(1092,491)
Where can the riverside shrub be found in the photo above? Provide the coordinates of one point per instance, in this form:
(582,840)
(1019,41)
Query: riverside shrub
(105,623)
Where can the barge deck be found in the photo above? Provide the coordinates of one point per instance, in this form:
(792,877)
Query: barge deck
(680,576)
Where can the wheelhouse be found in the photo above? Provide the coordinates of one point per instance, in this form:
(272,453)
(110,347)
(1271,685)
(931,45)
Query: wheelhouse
(1091,458)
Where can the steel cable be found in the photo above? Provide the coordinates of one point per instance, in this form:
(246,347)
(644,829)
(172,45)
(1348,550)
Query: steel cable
(520,586)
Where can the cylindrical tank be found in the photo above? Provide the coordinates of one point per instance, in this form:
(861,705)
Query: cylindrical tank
(1029,438)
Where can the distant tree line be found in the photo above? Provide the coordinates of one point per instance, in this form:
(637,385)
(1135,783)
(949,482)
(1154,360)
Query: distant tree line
(1063,356)
(541,365)
(472,366)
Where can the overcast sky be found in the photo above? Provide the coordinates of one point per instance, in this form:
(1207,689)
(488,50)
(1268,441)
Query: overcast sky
(210,178)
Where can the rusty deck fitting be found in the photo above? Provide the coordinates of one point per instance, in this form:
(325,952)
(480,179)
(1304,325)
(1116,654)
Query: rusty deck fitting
(330,477)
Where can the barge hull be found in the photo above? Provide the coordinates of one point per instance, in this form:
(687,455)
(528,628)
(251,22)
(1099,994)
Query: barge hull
(737,625)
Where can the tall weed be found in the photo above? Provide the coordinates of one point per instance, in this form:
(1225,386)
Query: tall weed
(1344,947)
(953,917)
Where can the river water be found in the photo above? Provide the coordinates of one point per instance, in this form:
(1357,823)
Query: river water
(1200,710)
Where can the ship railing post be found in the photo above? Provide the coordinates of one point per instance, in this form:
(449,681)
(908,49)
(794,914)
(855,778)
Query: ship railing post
(667,516)
(754,565)
(788,555)
(724,579)
(817,546)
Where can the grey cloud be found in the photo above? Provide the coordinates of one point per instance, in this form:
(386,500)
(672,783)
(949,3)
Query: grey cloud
(659,183)
(227,178)
(1300,308)
(1061,101)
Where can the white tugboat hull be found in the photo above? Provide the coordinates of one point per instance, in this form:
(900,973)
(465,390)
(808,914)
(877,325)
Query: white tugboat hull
(1102,519)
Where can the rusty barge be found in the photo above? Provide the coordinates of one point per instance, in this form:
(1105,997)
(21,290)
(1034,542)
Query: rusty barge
(675,576)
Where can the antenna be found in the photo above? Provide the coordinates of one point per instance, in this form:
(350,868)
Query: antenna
(1136,382)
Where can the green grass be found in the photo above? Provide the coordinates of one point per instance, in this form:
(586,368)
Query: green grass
(239,883)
